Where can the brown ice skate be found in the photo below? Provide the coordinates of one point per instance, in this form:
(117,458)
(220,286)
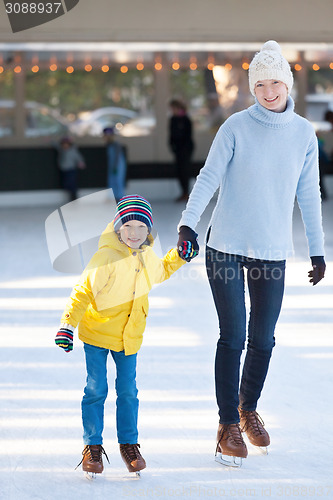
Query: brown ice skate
(252,424)
(132,457)
(230,447)
(92,462)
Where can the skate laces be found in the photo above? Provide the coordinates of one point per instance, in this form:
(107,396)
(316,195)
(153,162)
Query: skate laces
(233,432)
(131,451)
(253,422)
(94,453)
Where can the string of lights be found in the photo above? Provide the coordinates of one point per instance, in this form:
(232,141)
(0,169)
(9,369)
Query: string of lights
(158,65)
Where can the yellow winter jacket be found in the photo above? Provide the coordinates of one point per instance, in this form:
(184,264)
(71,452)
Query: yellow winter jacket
(110,301)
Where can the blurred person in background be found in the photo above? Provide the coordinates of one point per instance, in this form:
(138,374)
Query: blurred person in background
(181,144)
(324,163)
(116,163)
(69,160)
(328,117)
(325,147)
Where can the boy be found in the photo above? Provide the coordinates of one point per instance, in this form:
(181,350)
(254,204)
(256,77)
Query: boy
(110,305)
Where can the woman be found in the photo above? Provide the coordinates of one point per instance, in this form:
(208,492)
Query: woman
(260,159)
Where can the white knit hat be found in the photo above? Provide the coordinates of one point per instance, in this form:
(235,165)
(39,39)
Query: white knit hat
(269,64)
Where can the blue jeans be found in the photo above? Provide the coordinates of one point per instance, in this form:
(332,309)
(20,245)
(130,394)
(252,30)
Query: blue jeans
(96,390)
(117,180)
(266,287)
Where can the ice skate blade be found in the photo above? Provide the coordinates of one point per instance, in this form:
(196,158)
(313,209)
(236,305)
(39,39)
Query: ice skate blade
(262,449)
(91,476)
(228,461)
(134,475)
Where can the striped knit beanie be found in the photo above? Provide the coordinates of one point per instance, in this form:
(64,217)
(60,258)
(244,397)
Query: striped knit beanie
(133,207)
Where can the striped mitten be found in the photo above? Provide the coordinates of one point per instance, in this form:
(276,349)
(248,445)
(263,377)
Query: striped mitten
(187,251)
(64,337)
(187,245)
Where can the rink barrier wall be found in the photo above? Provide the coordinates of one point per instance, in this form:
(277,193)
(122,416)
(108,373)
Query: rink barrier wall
(28,169)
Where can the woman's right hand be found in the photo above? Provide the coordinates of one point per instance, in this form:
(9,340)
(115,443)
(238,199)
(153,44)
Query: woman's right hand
(187,245)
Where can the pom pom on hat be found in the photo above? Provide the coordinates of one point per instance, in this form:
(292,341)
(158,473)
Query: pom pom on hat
(133,207)
(269,64)
(271,45)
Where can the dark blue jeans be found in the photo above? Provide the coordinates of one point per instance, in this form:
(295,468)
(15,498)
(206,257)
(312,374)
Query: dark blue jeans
(265,281)
(69,182)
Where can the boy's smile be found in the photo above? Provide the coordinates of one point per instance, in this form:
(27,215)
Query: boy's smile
(133,233)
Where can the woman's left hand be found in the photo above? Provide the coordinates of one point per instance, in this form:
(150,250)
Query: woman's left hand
(318,269)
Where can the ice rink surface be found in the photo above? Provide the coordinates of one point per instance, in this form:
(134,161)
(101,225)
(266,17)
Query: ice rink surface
(41,386)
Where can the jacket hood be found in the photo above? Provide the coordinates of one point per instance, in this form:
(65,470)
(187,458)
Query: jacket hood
(109,238)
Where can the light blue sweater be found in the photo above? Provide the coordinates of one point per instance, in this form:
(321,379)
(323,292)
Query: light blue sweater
(259,160)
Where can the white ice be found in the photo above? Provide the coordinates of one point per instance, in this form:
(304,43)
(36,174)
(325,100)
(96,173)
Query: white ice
(41,386)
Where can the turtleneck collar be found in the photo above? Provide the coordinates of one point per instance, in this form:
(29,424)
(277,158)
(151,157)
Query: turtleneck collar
(272,119)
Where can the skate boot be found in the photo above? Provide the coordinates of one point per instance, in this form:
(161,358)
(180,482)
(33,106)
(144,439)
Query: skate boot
(230,447)
(252,424)
(92,462)
(132,457)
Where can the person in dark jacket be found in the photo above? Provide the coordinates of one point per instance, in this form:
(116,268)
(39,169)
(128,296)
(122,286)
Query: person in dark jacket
(181,144)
